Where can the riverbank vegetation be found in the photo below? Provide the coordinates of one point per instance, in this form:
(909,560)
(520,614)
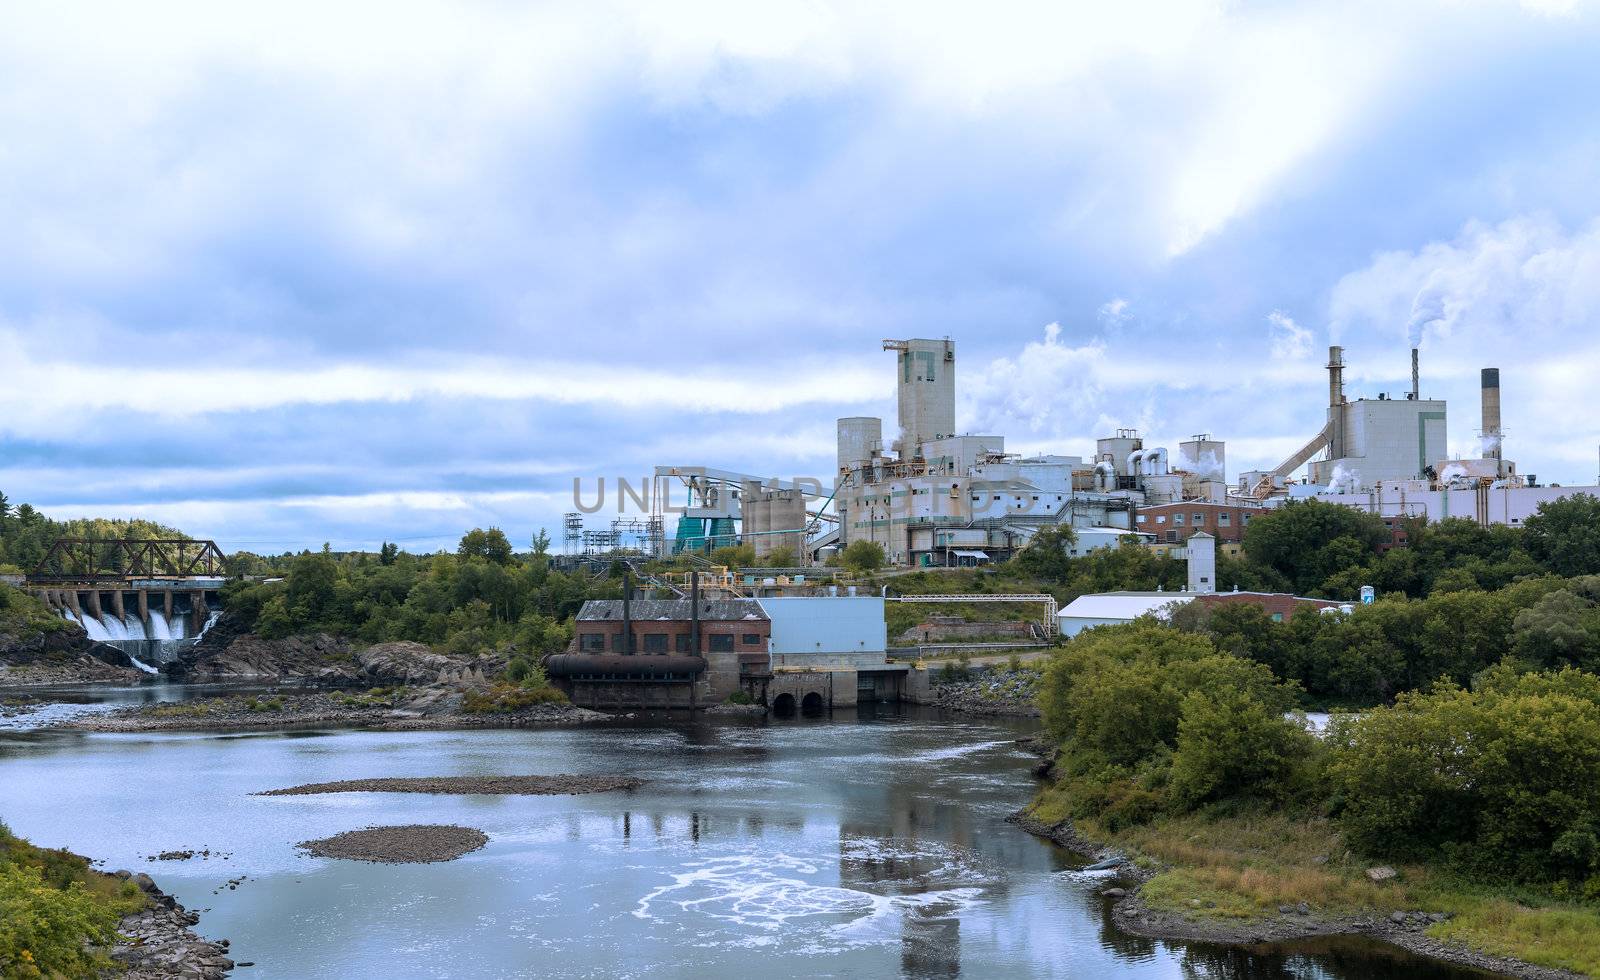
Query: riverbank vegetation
(57,915)
(482,598)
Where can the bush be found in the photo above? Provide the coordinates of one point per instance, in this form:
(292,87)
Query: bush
(740,697)
(51,907)
(1502,780)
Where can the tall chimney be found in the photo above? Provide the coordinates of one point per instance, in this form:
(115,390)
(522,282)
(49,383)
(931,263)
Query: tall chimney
(1491,413)
(1415,376)
(1335,402)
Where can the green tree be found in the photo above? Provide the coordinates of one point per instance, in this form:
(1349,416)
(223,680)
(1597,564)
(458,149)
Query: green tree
(1048,555)
(1564,535)
(490,545)
(1308,542)
(862,557)
(1560,629)
(541,546)
(735,555)
(387,553)
(1231,744)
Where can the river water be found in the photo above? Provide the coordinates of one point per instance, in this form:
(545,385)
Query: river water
(865,845)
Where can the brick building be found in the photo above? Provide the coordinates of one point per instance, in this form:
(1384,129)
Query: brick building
(1173,523)
(663,666)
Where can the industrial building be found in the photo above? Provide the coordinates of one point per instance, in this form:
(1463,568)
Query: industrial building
(934,496)
(792,653)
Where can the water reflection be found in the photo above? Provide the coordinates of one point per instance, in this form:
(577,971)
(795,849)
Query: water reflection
(864,847)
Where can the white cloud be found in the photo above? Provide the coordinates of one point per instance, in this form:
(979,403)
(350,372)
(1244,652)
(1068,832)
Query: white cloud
(1049,388)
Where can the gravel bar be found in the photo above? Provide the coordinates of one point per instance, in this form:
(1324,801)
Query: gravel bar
(406,844)
(468,785)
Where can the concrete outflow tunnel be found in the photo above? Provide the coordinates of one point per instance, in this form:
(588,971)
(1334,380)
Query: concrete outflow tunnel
(811,704)
(783,705)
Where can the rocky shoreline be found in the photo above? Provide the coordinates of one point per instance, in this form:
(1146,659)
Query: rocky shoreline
(1404,929)
(431,709)
(994,692)
(156,942)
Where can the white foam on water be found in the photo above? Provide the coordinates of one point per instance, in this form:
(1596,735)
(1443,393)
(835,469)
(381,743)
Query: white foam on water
(774,896)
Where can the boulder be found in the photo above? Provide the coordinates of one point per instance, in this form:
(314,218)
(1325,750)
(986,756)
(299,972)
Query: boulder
(1382,873)
(405,662)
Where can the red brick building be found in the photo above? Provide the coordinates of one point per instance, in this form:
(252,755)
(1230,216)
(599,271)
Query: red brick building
(1173,523)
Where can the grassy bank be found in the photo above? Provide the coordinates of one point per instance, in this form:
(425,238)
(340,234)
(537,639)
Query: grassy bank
(53,905)
(1246,863)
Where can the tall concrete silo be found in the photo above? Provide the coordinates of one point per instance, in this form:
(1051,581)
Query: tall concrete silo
(925,385)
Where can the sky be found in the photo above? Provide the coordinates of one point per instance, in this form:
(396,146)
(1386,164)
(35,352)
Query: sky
(305,273)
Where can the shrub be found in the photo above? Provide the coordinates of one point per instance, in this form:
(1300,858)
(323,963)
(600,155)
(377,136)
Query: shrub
(1503,780)
(740,697)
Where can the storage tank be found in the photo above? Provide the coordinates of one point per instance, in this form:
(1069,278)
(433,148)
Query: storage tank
(859,437)
(786,512)
(755,512)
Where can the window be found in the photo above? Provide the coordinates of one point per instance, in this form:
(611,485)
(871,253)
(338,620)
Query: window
(1177,520)
(1245,518)
(616,644)
(1161,518)
(1277,617)
(683,643)
(1199,519)
(1224,519)
(721,642)
(1141,518)
(752,639)
(592,642)
(655,643)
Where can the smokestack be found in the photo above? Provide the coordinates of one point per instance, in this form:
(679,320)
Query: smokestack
(1491,413)
(1335,402)
(1415,376)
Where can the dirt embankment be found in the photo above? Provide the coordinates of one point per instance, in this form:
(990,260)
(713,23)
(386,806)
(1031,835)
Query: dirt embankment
(560,785)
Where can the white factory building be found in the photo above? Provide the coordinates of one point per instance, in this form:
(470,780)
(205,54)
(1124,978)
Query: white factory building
(938,497)
(935,496)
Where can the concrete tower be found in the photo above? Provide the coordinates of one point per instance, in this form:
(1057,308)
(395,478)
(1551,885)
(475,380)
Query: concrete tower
(926,386)
(1202,563)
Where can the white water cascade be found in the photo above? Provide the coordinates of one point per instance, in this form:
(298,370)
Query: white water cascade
(157,640)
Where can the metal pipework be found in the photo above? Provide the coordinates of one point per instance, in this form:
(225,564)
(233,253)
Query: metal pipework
(1491,413)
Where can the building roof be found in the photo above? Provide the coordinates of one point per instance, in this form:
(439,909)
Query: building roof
(1122,605)
(723,610)
(1131,605)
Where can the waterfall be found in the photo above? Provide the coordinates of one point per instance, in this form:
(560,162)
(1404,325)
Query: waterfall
(157,640)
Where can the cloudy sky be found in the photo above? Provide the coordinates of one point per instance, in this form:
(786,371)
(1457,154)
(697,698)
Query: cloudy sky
(332,272)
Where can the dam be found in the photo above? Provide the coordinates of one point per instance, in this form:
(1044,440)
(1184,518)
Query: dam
(147,597)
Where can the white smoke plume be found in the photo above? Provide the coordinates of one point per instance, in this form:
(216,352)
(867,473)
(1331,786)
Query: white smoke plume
(1345,479)
(1454,471)
(1288,340)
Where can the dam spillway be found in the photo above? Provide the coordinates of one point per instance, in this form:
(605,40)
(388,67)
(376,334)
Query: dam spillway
(150,621)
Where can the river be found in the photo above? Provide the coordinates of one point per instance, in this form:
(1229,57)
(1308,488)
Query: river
(866,845)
